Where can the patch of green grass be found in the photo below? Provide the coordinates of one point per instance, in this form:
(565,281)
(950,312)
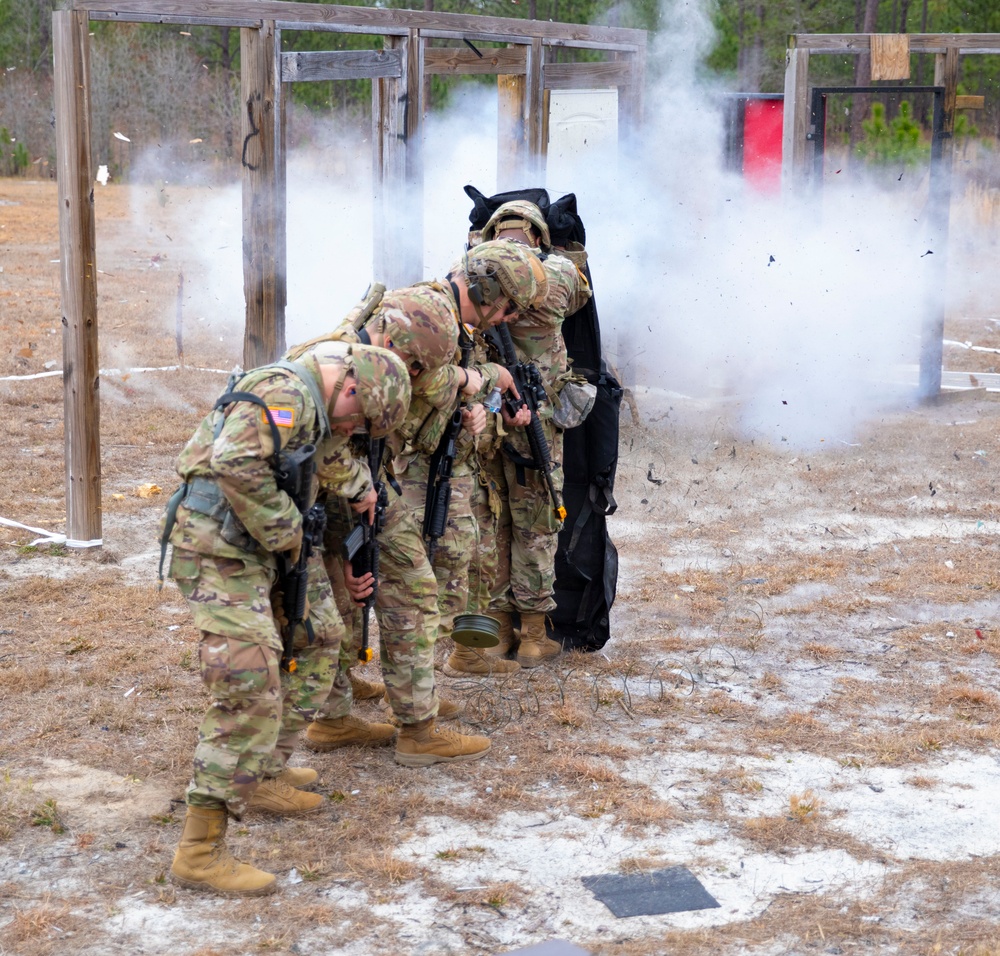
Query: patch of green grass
(47,815)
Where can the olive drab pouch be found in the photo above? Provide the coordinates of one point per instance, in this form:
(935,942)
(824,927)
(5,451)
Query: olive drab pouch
(574,402)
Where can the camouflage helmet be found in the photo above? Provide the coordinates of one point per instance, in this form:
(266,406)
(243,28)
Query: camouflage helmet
(421,325)
(383,388)
(501,268)
(519,214)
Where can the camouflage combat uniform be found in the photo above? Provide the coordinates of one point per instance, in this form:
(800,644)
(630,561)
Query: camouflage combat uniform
(229,526)
(527,528)
(406,604)
(436,396)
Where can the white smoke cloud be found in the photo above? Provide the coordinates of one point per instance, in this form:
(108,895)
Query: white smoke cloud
(800,308)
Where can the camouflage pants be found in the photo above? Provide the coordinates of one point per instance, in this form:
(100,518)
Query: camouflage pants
(408,619)
(257,710)
(456,548)
(486,509)
(527,534)
(338,703)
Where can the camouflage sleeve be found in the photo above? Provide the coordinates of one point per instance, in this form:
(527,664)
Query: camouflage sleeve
(567,291)
(241,461)
(340,473)
(491,373)
(439,388)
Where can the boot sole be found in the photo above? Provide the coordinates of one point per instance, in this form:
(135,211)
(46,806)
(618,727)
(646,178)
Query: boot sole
(490,672)
(323,748)
(529,662)
(284,813)
(428,760)
(266,890)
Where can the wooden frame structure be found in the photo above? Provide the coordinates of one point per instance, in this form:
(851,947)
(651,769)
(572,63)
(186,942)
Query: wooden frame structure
(799,145)
(409,55)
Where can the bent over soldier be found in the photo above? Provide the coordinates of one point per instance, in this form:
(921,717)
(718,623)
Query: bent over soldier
(527,532)
(494,281)
(228,523)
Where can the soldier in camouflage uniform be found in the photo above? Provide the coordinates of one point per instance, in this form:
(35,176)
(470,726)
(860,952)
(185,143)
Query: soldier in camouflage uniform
(227,522)
(527,531)
(461,386)
(494,280)
(411,324)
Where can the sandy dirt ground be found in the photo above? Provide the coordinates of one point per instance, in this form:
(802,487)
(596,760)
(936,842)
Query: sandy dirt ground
(799,702)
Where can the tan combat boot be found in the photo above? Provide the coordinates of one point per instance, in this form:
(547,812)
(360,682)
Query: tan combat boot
(536,646)
(349,731)
(424,743)
(468,660)
(298,776)
(362,689)
(273,795)
(508,639)
(202,861)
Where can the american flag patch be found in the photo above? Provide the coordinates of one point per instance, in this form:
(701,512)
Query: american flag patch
(283,417)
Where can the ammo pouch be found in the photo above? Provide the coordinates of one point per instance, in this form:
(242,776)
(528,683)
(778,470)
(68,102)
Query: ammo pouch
(575,403)
(423,426)
(205,497)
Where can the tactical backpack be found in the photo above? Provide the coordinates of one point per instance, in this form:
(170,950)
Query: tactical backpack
(586,560)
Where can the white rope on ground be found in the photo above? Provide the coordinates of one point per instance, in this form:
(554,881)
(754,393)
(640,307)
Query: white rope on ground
(118,371)
(970,346)
(50,537)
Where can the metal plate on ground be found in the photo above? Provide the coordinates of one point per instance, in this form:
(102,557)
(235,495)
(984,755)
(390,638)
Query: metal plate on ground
(673,890)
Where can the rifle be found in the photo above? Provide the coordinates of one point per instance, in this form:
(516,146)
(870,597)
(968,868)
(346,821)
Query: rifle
(528,381)
(442,463)
(294,476)
(361,545)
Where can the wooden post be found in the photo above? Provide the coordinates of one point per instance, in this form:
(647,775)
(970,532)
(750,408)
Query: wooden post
(410,227)
(630,95)
(397,176)
(534,166)
(795,152)
(78,279)
(263,196)
(512,145)
(939,213)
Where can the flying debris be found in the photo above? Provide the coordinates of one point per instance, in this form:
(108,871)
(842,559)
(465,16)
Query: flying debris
(770,259)
(929,252)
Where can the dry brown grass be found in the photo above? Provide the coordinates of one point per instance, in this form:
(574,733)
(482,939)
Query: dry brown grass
(822,643)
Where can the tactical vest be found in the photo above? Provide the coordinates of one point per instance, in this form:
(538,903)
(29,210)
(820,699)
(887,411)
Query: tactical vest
(202,493)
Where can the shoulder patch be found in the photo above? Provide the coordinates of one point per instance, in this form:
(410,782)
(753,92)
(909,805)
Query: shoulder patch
(284,417)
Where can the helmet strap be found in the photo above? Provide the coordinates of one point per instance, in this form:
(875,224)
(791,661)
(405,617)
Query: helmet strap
(337,389)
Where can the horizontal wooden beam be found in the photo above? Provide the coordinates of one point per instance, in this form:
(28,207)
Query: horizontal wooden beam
(581,76)
(970,102)
(855,43)
(454,61)
(374,20)
(115,15)
(315,65)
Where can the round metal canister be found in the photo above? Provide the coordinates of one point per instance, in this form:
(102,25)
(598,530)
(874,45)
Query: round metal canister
(476,630)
